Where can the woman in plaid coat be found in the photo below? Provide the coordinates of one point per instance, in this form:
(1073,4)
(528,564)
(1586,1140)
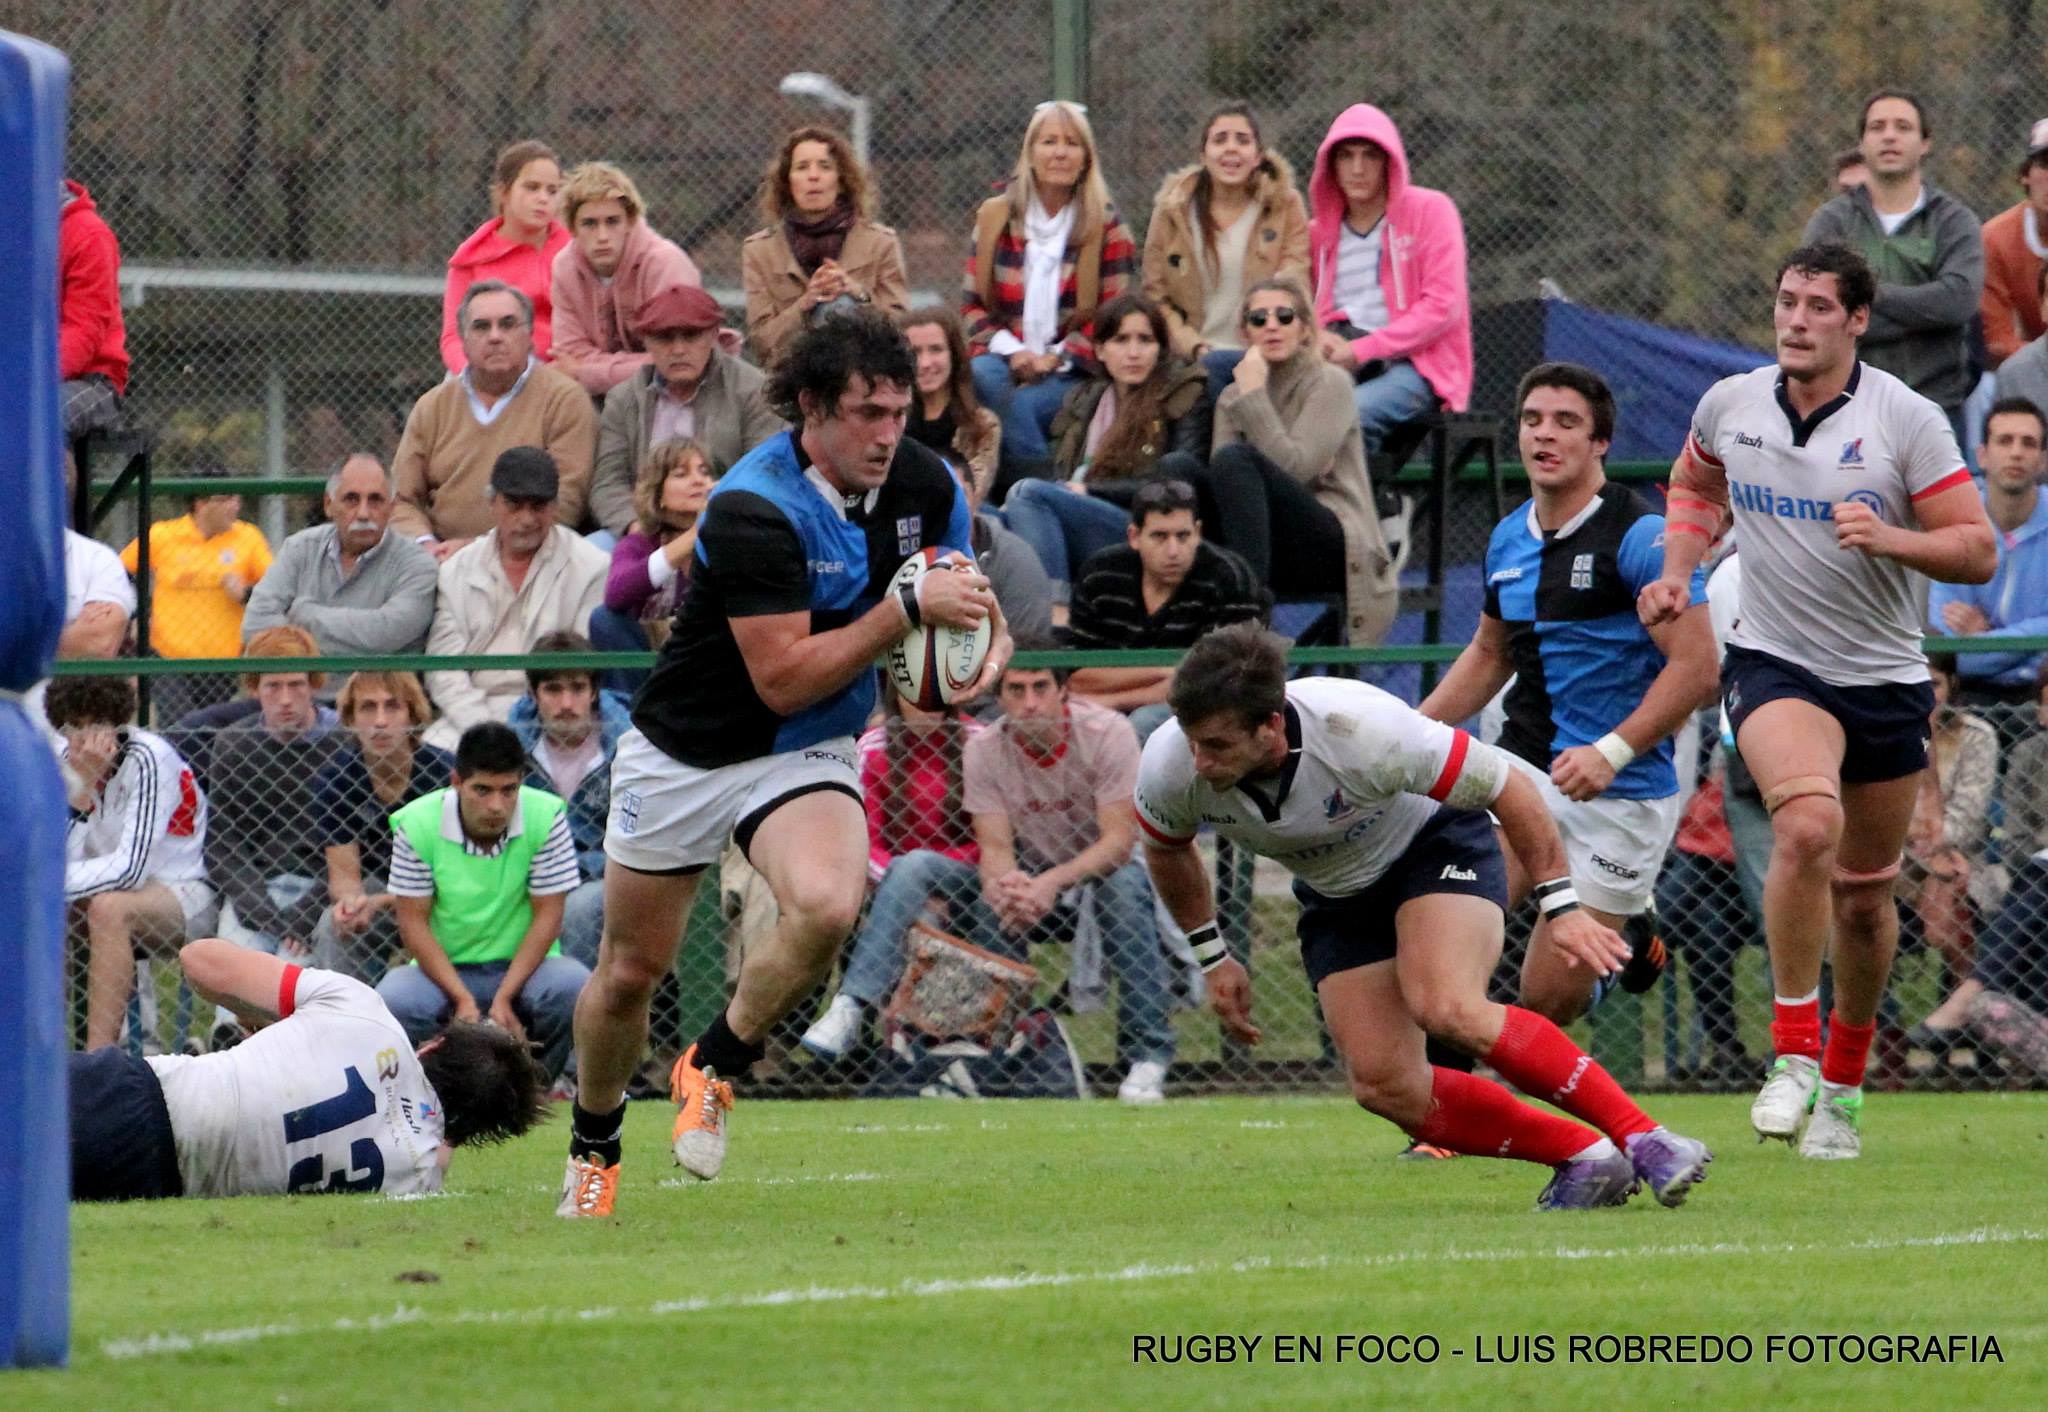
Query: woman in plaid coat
(1045,254)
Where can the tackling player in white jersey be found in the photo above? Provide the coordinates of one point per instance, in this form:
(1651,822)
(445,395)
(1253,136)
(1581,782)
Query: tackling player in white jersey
(328,1096)
(1380,814)
(1848,492)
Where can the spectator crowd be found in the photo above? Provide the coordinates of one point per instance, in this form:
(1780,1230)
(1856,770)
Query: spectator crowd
(1155,435)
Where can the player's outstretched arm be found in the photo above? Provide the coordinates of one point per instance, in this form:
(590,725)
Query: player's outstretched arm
(1183,885)
(1481,670)
(247,982)
(1954,543)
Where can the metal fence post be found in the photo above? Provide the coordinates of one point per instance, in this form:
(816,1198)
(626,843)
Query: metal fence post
(1070,50)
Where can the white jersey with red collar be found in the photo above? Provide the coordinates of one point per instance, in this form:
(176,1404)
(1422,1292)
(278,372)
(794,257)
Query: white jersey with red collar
(330,1098)
(1364,772)
(1850,618)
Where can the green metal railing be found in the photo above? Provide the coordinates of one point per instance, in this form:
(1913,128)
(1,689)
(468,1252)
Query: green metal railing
(1437,652)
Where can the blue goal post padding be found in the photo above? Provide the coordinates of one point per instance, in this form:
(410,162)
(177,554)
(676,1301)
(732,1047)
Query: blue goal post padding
(35,1161)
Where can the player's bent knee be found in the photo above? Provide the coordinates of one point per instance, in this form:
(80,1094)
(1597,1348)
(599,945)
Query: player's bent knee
(1380,1090)
(1808,830)
(824,915)
(1863,902)
(628,974)
(1457,1019)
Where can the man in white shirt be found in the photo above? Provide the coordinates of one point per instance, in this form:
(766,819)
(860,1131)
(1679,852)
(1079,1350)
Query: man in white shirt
(1848,492)
(529,576)
(328,1095)
(135,852)
(1403,903)
(99,600)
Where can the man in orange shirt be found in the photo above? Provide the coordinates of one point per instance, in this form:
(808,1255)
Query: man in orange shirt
(201,568)
(2015,240)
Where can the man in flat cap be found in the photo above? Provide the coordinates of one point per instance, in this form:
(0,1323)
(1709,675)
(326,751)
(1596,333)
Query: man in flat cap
(695,388)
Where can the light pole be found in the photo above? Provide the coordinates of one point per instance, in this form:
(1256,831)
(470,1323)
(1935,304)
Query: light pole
(820,89)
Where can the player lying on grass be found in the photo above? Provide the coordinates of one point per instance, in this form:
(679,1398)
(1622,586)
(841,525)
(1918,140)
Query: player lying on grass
(326,1095)
(1380,814)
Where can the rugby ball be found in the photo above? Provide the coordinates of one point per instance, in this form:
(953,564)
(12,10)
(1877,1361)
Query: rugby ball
(934,666)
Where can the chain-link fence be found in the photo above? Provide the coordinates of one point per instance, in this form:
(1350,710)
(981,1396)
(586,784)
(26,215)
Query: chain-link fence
(288,179)
(280,835)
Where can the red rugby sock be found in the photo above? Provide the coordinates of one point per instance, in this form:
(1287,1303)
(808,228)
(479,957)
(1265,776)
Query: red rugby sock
(1847,1052)
(1476,1116)
(1539,1058)
(1795,1027)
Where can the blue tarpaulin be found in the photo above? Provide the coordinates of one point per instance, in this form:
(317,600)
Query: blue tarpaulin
(1658,374)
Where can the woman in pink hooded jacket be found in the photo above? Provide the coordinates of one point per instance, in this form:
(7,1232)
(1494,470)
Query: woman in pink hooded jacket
(518,245)
(1388,264)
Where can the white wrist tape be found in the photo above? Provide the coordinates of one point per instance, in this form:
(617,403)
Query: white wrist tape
(1206,941)
(1556,897)
(1616,751)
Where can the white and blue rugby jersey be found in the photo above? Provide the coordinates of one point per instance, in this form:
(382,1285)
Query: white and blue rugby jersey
(1364,772)
(1849,618)
(775,539)
(330,1098)
(1583,659)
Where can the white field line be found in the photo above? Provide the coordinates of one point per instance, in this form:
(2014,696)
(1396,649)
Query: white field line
(146,1345)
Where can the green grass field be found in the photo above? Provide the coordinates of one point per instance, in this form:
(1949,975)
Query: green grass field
(943,1255)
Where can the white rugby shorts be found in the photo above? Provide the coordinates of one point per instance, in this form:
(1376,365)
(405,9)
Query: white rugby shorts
(1615,847)
(667,816)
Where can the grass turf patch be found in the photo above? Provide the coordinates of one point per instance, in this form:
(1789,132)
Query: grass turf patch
(999,1255)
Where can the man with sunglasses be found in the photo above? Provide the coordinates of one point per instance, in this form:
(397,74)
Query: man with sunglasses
(1164,588)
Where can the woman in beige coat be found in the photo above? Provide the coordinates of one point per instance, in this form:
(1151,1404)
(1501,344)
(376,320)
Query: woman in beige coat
(821,247)
(1219,226)
(1286,485)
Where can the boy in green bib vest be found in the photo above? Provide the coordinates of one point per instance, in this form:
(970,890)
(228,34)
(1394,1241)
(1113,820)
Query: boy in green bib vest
(479,871)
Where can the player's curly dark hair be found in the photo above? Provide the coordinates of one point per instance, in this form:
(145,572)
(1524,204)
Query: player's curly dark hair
(1854,279)
(488,1083)
(90,701)
(1240,670)
(821,361)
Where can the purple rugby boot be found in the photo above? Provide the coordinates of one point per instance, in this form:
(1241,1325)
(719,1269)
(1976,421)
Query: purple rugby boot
(1586,1182)
(1669,1165)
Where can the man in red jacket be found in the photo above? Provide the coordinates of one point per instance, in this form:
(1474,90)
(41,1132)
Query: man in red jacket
(92,344)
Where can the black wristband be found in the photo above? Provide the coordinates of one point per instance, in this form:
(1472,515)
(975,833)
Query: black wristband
(906,594)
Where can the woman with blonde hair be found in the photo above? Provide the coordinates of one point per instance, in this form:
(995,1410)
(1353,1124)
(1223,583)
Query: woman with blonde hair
(1045,254)
(518,245)
(822,248)
(384,766)
(650,570)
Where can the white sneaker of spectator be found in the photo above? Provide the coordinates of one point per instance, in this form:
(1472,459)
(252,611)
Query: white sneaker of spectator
(1145,1083)
(836,1030)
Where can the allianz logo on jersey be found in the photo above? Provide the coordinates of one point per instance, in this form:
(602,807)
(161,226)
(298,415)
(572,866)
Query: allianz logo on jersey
(1762,500)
